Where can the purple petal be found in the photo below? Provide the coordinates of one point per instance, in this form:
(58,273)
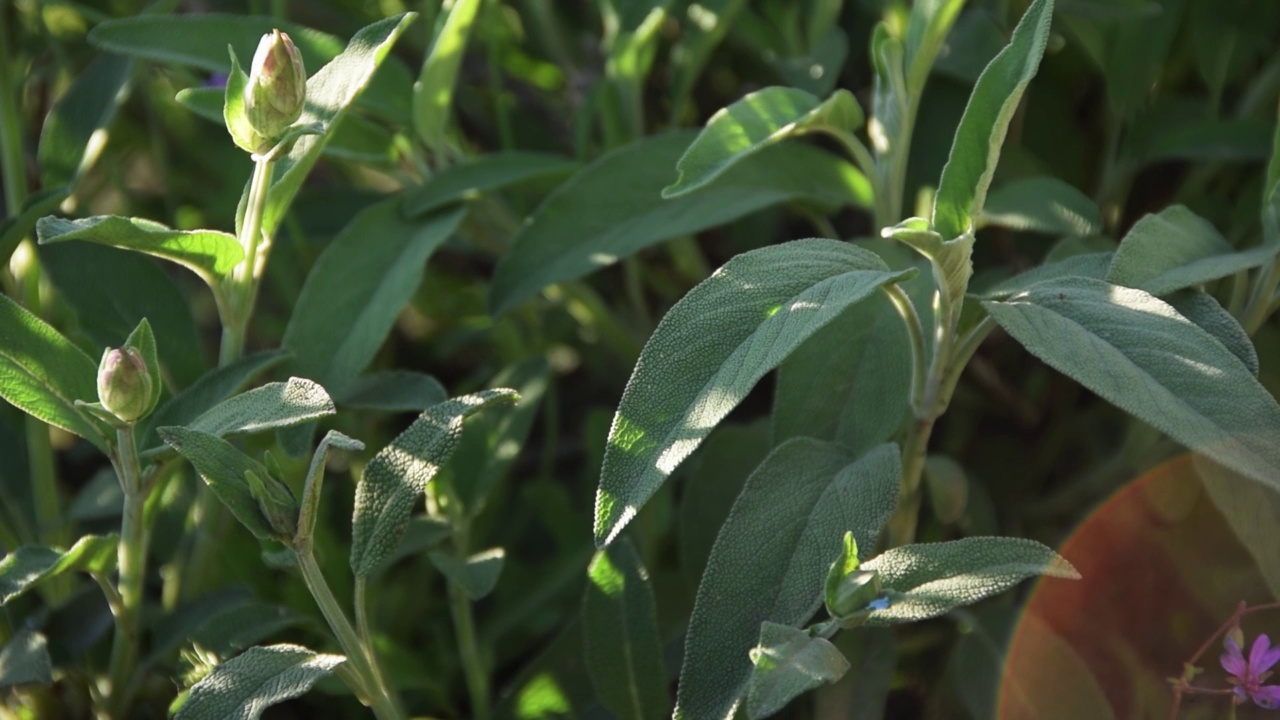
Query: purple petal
(1267,696)
(1258,653)
(1233,663)
(1268,659)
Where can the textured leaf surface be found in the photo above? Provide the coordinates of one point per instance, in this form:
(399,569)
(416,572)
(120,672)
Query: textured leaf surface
(67,144)
(393,391)
(930,579)
(357,288)
(274,405)
(623,647)
(478,176)
(433,93)
(477,574)
(208,253)
(772,556)
(25,660)
(1177,249)
(613,208)
(1137,352)
(29,565)
(788,662)
(1202,309)
(1042,204)
(223,468)
(716,476)
(1089,265)
(967,174)
(755,122)
(43,374)
(395,477)
(1251,509)
(712,348)
(244,686)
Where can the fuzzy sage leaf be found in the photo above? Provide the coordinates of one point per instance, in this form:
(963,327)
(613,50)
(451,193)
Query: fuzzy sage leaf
(274,405)
(787,663)
(25,660)
(226,470)
(30,565)
(244,686)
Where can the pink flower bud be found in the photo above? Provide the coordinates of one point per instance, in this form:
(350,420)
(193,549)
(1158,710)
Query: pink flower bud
(124,385)
(277,86)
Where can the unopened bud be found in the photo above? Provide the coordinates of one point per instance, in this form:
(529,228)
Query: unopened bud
(277,86)
(124,385)
(276,502)
(855,592)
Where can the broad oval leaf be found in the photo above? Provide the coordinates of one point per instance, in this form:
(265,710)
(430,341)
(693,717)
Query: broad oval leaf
(613,208)
(1088,265)
(712,348)
(44,374)
(755,122)
(274,405)
(788,663)
(244,686)
(223,468)
(1137,352)
(25,660)
(483,174)
(30,565)
(208,253)
(1042,204)
(1202,309)
(623,643)
(397,475)
(976,149)
(358,287)
(1177,249)
(929,579)
(476,574)
(771,559)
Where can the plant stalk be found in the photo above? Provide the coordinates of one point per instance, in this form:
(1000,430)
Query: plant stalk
(244,279)
(464,624)
(131,557)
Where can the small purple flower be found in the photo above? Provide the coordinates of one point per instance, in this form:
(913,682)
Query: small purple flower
(1248,675)
(216,80)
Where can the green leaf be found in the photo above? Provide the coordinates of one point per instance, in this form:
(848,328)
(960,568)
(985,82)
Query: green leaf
(951,261)
(1042,204)
(356,290)
(863,693)
(712,348)
(1089,265)
(208,253)
(788,663)
(224,622)
(818,70)
(274,405)
(330,92)
(15,228)
(703,26)
(422,533)
(200,40)
(234,115)
(24,660)
(144,342)
(247,684)
(1251,509)
(1176,249)
(948,488)
(395,477)
(224,469)
(623,647)
(772,557)
(392,391)
(755,122)
(477,574)
(481,175)
(1202,309)
(112,290)
(976,149)
(613,208)
(1138,353)
(717,473)
(927,29)
(1136,52)
(68,145)
(43,374)
(30,565)
(433,92)
(1208,139)
(927,580)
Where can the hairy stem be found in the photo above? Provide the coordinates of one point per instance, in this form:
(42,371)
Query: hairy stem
(131,557)
(469,649)
(244,279)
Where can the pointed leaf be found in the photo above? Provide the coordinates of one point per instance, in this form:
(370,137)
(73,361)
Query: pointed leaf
(395,477)
(30,565)
(712,348)
(433,92)
(788,663)
(1251,509)
(244,686)
(224,469)
(758,120)
(43,374)
(358,287)
(1176,249)
(1042,204)
(613,208)
(476,575)
(927,580)
(274,405)
(24,660)
(481,175)
(392,391)
(716,475)
(772,556)
(67,138)
(976,149)
(1089,265)
(1202,309)
(927,29)
(208,253)
(623,644)
(144,342)
(1138,353)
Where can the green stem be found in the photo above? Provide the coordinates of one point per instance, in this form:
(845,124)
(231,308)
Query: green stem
(472,663)
(132,562)
(893,174)
(244,279)
(12,166)
(359,657)
(915,332)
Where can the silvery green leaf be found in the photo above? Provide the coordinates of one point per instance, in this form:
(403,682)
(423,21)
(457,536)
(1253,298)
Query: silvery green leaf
(967,174)
(623,643)
(1202,309)
(772,557)
(244,686)
(274,405)
(224,469)
(29,565)
(24,660)
(476,574)
(144,341)
(712,348)
(1042,204)
(927,29)
(929,579)
(715,477)
(1137,352)
(1090,265)
(395,477)
(1177,249)
(788,663)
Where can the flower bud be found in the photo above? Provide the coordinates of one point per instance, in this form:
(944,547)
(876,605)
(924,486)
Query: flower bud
(124,385)
(277,86)
(276,502)
(855,592)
